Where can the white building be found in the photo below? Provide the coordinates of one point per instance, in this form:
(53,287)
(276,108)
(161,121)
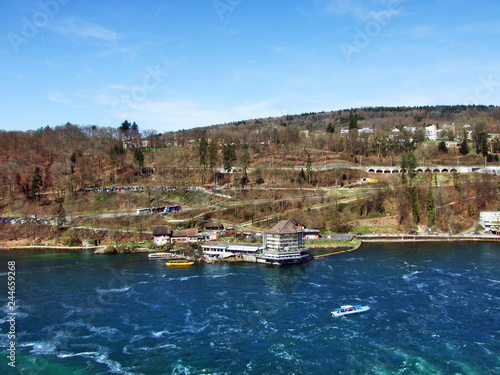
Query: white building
(162,235)
(432,133)
(220,250)
(490,219)
(284,244)
(365,130)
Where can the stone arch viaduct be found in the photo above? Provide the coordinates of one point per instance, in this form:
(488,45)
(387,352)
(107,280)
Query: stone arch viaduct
(434,169)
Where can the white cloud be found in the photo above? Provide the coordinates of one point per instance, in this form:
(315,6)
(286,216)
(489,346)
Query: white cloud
(367,10)
(169,115)
(424,31)
(122,87)
(12,75)
(185,114)
(83,29)
(58,97)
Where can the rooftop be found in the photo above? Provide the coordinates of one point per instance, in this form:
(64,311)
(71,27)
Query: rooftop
(285,227)
(162,230)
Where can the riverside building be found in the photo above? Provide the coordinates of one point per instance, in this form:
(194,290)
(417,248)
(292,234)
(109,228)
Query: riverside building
(284,244)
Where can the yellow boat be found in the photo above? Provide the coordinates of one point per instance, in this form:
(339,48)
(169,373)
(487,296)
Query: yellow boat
(179,262)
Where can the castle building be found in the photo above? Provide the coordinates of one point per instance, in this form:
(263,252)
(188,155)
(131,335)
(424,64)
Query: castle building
(284,244)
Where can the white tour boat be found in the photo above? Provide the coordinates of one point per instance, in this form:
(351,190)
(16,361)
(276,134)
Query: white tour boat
(349,309)
(160,256)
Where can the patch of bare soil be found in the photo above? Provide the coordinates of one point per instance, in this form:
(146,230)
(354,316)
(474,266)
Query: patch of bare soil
(389,221)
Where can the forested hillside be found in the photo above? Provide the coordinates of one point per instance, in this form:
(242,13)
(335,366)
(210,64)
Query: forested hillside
(46,172)
(67,157)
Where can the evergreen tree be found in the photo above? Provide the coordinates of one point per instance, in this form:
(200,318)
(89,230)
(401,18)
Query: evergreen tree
(309,169)
(134,128)
(36,184)
(353,120)
(212,154)
(430,209)
(408,165)
(60,216)
(228,156)
(442,147)
(480,137)
(202,149)
(245,158)
(116,151)
(414,204)
(464,146)
(72,163)
(302,176)
(125,127)
(330,128)
(138,158)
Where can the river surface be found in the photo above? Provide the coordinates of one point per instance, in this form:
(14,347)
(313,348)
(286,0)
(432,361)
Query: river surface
(435,309)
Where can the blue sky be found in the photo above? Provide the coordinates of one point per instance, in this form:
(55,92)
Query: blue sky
(171,65)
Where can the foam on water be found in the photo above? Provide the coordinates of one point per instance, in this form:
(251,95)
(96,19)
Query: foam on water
(41,347)
(411,276)
(114,367)
(271,320)
(113,290)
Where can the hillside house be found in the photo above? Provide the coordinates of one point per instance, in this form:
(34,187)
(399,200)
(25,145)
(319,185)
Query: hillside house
(432,133)
(162,234)
(365,130)
(188,235)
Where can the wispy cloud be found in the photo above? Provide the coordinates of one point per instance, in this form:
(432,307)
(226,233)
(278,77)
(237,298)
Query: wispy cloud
(183,114)
(280,50)
(365,10)
(12,75)
(82,29)
(122,87)
(424,31)
(171,115)
(58,97)
(486,28)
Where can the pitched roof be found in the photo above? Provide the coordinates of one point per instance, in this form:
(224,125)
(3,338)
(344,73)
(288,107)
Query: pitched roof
(192,232)
(294,221)
(285,227)
(162,230)
(185,233)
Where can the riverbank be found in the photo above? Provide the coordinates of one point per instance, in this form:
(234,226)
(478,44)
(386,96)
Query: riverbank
(340,250)
(427,238)
(37,247)
(336,247)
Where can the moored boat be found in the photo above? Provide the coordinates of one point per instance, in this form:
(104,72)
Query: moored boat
(160,255)
(179,262)
(349,309)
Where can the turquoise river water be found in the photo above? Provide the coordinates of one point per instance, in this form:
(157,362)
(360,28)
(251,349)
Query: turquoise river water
(435,309)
